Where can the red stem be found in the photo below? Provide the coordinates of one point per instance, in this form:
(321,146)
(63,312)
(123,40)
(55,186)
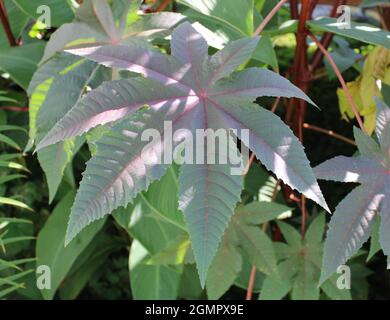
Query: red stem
(163,5)
(251,285)
(329,133)
(6,25)
(15,108)
(342,81)
(326,38)
(269,17)
(294,9)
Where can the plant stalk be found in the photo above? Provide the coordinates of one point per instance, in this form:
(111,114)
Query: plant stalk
(6,25)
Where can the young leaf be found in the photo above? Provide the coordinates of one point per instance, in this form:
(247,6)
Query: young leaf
(192,98)
(351,223)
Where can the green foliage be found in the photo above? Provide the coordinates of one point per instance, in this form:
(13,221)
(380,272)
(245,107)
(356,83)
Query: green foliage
(107,71)
(51,250)
(299,266)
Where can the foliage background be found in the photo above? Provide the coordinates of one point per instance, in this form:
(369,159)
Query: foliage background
(97,265)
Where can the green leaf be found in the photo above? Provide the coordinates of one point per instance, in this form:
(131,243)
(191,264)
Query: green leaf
(224,269)
(95,25)
(203,188)
(242,280)
(223,27)
(277,286)
(50,102)
(129,95)
(373,3)
(17,20)
(8,141)
(257,246)
(189,284)
(154,219)
(135,174)
(238,15)
(290,234)
(60,11)
(50,244)
(12,165)
(259,212)
(333,292)
(91,260)
(315,231)
(367,146)
(15,203)
(374,242)
(362,32)
(152,282)
(21,62)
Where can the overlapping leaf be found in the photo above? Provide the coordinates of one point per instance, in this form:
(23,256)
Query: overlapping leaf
(60,82)
(192,91)
(244,234)
(351,224)
(97,24)
(299,267)
(223,22)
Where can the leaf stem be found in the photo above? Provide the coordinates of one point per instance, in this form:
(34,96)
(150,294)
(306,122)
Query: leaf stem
(341,79)
(163,5)
(275,105)
(14,108)
(303,216)
(326,38)
(251,284)
(329,133)
(269,17)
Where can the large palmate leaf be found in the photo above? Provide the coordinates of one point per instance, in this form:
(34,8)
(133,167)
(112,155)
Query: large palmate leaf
(299,267)
(47,88)
(351,224)
(156,225)
(49,102)
(192,92)
(97,23)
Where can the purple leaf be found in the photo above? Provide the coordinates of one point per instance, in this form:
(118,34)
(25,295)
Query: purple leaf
(350,225)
